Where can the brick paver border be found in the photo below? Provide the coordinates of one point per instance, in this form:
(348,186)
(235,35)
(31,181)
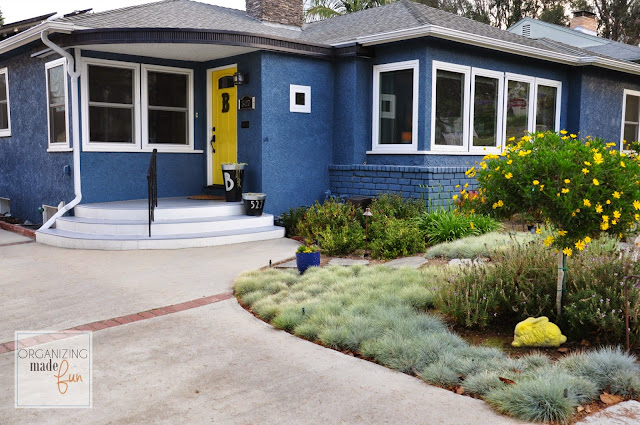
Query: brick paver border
(29,233)
(9,346)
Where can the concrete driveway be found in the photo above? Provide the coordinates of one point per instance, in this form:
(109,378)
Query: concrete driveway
(196,364)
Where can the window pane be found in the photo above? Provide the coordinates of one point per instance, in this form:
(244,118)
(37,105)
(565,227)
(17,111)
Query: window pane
(110,85)
(630,134)
(3,87)
(111,124)
(631,110)
(449,108)
(546,108)
(56,85)
(167,89)
(57,124)
(396,107)
(168,127)
(485,112)
(517,109)
(4,116)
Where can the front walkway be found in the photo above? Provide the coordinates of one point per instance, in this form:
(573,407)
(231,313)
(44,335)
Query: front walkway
(213,363)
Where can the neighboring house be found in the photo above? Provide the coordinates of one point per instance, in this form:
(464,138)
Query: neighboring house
(400,98)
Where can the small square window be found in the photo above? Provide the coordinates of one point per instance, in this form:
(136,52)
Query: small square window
(300,99)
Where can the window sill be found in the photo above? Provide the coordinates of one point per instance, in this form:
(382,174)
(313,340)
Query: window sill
(137,149)
(64,149)
(5,133)
(396,152)
(425,153)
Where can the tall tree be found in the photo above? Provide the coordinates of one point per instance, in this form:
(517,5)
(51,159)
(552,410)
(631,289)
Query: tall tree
(1,18)
(322,9)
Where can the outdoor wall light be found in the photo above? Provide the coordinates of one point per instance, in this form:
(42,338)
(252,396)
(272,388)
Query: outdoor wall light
(239,78)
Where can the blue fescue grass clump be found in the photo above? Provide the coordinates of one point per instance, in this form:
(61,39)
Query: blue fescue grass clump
(478,246)
(383,315)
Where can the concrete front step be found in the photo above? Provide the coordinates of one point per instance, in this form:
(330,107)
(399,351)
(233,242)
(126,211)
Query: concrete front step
(167,209)
(97,226)
(66,239)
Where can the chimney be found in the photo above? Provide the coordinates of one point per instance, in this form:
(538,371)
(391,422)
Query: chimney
(585,22)
(283,12)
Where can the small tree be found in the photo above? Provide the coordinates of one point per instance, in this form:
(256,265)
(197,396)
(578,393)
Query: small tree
(580,187)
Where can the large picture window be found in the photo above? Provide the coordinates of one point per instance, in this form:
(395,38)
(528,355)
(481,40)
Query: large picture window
(131,107)
(57,101)
(5,111)
(630,119)
(395,112)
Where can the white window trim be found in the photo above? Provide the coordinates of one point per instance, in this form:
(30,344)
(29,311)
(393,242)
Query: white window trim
(90,146)
(499,76)
(376,147)
(625,93)
(6,132)
(460,69)
(58,147)
(293,107)
(166,147)
(530,102)
(558,86)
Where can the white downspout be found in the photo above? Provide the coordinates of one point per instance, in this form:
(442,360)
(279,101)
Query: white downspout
(74,74)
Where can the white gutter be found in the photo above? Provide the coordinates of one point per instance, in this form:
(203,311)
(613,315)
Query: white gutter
(33,34)
(74,74)
(493,44)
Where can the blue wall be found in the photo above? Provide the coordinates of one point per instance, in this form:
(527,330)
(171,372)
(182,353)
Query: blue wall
(601,94)
(29,175)
(297,147)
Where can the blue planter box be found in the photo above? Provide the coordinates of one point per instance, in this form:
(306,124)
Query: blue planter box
(306,260)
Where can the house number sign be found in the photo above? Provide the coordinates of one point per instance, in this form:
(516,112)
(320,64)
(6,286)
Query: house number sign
(247,102)
(256,205)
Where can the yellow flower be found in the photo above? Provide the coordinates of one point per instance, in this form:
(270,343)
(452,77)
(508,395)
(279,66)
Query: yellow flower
(567,251)
(585,171)
(573,214)
(596,182)
(567,181)
(587,163)
(573,136)
(563,131)
(500,203)
(508,176)
(541,187)
(497,168)
(608,202)
(604,226)
(455,197)
(605,218)
(622,164)
(540,135)
(577,210)
(466,185)
(526,138)
(538,230)
(536,182)
(558,194)
(471,224)
(511,139)
(616,214)
(565,190)
(457,186)
(483,165)
(565,137)
(587,239)
(562,232)
(614,222)
(473,211)
(598,208)
(636,204)
(509,162)
(597,158)
(616,195)
(580,245)
(586,202)
(548,241)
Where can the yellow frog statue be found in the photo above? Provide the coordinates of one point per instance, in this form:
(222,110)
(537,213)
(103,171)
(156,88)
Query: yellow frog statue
(537,332)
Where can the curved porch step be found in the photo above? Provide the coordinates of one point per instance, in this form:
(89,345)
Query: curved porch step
(167,209)
(98,226)
(67,239)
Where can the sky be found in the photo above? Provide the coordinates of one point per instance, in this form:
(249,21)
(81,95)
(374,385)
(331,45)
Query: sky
(18,10)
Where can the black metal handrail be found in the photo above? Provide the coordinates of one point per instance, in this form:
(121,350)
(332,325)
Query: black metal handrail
(152,187)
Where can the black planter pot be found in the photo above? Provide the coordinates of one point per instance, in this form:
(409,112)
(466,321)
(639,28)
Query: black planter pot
(232,175)
(253,203)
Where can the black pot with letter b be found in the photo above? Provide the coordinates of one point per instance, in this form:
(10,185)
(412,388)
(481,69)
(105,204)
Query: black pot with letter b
(232,174)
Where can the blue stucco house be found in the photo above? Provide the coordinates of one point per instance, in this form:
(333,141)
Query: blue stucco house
(400,98)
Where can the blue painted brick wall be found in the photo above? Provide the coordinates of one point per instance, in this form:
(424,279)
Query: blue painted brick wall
(436,185)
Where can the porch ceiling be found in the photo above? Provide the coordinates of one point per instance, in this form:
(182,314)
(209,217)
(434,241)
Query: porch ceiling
(182,51)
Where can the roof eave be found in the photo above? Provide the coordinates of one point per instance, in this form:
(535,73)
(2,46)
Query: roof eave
(33,34)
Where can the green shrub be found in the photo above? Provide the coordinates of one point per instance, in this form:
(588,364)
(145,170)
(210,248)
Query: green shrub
(393,205)
(395,238)
(341,240)
(291,219)
(485,223)
(442,225)
(478,246)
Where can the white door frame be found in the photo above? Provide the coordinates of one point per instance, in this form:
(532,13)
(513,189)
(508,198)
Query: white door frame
(210,121)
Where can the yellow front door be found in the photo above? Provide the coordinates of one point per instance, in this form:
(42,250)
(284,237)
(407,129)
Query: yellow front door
(224,131)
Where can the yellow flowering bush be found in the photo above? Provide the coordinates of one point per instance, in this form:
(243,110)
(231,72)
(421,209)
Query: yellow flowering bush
(580,187)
